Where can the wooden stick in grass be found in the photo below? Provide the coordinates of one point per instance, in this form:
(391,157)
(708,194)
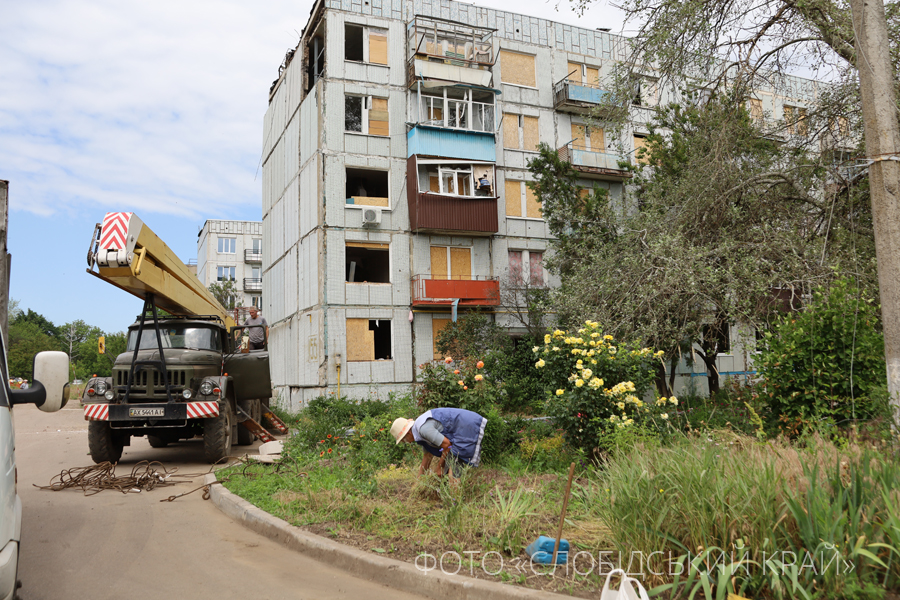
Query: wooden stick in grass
(562,517)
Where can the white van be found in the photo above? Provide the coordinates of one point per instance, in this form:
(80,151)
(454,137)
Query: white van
(48,391)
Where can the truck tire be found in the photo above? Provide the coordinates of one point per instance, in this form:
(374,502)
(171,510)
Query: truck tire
(105,446)
(252,408)
(157,442)
(217,435)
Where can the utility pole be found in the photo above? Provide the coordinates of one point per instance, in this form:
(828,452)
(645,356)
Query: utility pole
(5,260)
(882,135)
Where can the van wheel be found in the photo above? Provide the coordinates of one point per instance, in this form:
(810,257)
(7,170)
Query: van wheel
(217,435)
(104,444)
(252,408)
(157,442)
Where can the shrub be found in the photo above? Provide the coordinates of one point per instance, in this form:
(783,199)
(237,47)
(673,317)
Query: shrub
(459,384)
(826,361)
(598,384)
(472,335)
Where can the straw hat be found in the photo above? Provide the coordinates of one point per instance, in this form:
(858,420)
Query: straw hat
(400,428)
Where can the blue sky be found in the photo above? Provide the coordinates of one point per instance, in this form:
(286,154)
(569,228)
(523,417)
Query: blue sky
(154,108)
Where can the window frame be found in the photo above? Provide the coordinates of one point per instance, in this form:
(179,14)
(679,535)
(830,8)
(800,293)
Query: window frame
(523,201)
(503,70)
(366,104)
(219,270)
(233,245)
(526,268)
(367,30)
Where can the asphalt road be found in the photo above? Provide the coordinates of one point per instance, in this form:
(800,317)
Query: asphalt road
(134,547)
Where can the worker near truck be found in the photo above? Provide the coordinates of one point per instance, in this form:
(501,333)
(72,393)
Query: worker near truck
(258,335)
(452,434)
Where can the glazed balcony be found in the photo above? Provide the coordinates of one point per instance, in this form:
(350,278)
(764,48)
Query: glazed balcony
(577,98)
(443,290)
(445,196)
(451,143)
(594,165)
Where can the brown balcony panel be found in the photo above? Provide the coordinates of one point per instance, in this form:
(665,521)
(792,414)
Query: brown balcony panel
(443,292)
(435,212)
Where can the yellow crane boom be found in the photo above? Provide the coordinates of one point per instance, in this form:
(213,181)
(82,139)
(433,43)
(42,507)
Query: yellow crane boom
(131,257)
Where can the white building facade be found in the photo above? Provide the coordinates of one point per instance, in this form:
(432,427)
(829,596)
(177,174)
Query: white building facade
(232,251)
(395,152)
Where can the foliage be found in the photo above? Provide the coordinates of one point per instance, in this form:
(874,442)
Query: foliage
(328,417)
(826,360)
(598,383)
(227,293)
(472,337)
(26,338)
(458,384)
(525,387)
(724,219)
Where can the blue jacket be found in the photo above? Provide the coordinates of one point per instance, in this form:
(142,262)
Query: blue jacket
(464,429)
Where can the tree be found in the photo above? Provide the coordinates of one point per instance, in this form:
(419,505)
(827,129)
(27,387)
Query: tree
(724,44)
(724,219)
(226,293)
(26,338)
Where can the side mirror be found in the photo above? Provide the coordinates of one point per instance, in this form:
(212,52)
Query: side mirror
(50,389)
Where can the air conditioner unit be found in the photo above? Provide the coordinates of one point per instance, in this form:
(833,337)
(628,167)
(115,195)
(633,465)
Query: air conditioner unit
(371,216)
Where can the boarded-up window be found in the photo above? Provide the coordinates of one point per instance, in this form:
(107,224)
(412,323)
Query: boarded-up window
(511,131)
(756,109)
(640,142)
(517,69)
(368,340)
(532,204)
(521,132)
(531,134)
(451,263)
(378,117)
(575,73)
(592,77)
(795,119)
(378,47)
(513,191)
(364,44)
(521,201)
(589,138)
(437,325)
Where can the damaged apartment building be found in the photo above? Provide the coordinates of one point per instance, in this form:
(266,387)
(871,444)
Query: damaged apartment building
(395,152)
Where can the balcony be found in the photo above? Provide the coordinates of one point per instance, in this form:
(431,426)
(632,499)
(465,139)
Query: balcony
(440,291)
(577,98)
(252,256)
(594,165)
(451,143)
(252,284)
(444,201)
(445,50)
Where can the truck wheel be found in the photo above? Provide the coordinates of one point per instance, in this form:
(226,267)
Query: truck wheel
(217,435)
(105,446)
(157,442)
(252,408)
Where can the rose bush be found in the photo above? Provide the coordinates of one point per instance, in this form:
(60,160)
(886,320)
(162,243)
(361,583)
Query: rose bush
(598,383)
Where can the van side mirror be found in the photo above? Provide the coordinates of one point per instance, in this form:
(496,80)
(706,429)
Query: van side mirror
(50,389)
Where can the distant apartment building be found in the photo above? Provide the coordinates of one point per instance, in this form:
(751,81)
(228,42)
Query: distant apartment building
(395,151)
(232,251)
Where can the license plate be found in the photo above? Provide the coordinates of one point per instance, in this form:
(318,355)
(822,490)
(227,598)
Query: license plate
(147,412)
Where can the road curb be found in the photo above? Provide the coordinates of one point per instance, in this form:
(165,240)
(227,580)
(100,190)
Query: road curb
(392,573)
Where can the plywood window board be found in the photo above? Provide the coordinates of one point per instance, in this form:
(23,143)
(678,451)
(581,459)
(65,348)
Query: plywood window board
(578,139)
(439,267)
(513,191)
(592,79)
(532,204)
(640,142)
(461,263)
(369,201)
(574,73)
(517,69)
(360,341)
(511,131)
(378,47)
(532,135)
(378,117)
(597,141)
(368,245)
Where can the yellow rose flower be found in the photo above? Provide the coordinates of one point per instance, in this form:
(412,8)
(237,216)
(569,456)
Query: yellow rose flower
(621,405)
(560,392)
(579,382)
(479,377)
(673,400)
(547,338)
(607,337)
(540,363)
(665,415)
(587,373)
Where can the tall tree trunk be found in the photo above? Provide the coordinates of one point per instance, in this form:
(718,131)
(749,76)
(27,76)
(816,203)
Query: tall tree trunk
(882,134)
(712,373)
(662,385)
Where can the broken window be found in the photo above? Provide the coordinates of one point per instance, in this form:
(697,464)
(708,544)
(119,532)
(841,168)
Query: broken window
(315,66)
(367,187)
(366,114)
(365,44)
(517,69)
(437,325)
(457,179)
(451,263)
(368,340)
(585,137)
(795,119)
(367,262)
(460,109)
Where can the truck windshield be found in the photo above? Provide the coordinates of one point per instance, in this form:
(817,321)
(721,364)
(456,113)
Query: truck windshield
(177,336)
